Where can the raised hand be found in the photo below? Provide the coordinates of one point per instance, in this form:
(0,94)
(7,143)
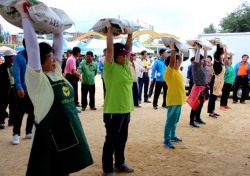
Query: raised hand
(21,6)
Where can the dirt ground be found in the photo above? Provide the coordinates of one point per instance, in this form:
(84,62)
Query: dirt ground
(219,148)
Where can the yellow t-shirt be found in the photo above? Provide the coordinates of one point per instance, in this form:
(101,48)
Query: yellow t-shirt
(176,94)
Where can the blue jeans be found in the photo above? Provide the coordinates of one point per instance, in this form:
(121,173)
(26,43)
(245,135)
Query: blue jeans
(144,80)
(173,116)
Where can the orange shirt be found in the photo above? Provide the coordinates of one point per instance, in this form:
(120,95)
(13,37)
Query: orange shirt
(243,70)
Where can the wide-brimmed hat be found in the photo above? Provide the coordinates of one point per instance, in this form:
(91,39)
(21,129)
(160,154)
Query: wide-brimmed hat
(9,53)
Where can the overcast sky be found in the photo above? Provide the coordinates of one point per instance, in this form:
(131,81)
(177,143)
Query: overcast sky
(185,19)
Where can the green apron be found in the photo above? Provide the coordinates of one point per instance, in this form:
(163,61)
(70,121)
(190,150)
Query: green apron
(59,145)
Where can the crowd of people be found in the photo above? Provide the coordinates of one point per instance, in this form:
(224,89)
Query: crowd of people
(38,82)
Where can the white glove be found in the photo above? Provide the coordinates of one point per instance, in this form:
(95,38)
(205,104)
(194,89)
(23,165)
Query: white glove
(107,23)
(158,74)
(21,6)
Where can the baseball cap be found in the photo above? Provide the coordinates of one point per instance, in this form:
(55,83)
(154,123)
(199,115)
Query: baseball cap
(9,53)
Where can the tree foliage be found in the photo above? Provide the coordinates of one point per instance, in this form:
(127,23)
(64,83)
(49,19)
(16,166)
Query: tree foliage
(210,29)
(1,38)
(238,20)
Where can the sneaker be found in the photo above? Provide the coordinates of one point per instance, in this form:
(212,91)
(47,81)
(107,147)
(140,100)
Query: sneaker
(212,115)
(216,114)
(138,106)
(146,101)
(28,136)
(234,102)
(176,139)
(200,121)
(16,139)
(194,124)
(2,126)
(169,144)
(222,108)
(228,107)
(155,107)
(83,109)
(124,168)
(242,102)
(94,108)
(108,174)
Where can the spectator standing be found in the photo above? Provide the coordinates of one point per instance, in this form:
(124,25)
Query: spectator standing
(190,75)
(7,89)
(133,69)
(88,70)
(71,73)
(24,103)
(143,77)
(101,66)
(152,81)
(158,69)
(242,76)
(228,82)
(68,54)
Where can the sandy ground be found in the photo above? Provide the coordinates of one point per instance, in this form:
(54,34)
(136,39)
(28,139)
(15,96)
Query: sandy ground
(221,147)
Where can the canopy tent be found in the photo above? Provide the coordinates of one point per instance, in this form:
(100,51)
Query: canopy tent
(137,47)
(19,48)
(97,46)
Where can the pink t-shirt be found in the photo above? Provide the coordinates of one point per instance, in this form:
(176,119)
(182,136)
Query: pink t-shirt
(70,65)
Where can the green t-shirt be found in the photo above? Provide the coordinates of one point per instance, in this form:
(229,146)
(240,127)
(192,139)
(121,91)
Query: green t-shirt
(88,72)
(118,82)
(229,74)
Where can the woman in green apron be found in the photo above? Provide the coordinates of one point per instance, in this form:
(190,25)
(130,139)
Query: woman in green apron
(59,144)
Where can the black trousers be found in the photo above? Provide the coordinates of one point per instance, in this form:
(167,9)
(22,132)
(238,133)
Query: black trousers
(191,84)
(116,137)
(104,88)
(225,94)
(24,105)
(8,98)
(135,93)
(240,81)
(85,90)
(196,114)
(73,80)
(151,88)
(212,99)
(158,86)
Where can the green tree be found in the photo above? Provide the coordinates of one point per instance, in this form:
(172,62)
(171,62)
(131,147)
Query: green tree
(210,29)
(238,20)
(1,38)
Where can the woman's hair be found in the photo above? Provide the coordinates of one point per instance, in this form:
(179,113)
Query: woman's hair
(168,59)
(45,49)
(201,57)
(118,47)
(219,51)
(210,57)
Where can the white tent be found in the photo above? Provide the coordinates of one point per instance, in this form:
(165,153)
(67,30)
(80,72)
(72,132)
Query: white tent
(97,46)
